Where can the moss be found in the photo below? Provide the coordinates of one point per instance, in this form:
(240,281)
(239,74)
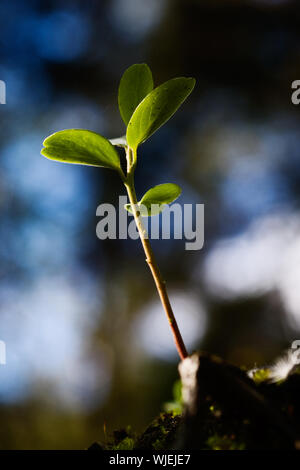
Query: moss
(161,434)
(233,413)
(261,375)
(125,444)
(123,439)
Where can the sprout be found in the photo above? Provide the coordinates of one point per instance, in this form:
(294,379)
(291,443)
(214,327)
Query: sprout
(144,110)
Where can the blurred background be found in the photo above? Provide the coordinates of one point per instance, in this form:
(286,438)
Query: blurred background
(88,347)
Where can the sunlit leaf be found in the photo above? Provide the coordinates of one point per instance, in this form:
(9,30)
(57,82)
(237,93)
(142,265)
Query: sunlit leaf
(135,84)
(157,108)
(154,201)
(82,147)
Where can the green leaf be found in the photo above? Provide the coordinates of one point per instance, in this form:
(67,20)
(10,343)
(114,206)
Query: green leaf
(135,84)
(82,147)
(157,108)
(154,201)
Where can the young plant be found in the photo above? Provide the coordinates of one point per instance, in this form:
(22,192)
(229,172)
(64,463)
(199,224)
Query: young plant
(144,110)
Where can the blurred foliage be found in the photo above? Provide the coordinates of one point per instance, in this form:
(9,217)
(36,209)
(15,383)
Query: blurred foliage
(176,405)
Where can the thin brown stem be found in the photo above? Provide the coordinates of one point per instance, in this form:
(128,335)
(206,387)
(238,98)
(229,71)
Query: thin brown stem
(150,259)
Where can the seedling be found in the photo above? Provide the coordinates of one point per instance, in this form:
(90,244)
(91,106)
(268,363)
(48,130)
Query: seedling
(144,110)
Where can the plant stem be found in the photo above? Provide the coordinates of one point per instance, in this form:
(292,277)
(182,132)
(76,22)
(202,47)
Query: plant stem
(150,259)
